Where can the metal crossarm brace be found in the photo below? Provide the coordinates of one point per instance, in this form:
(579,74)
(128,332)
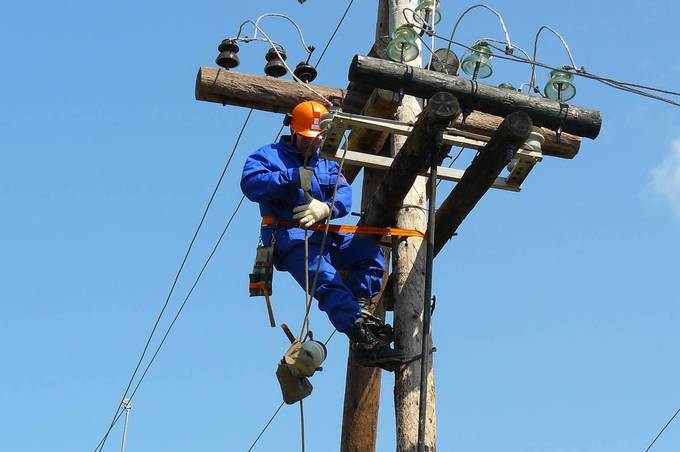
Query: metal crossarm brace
(339,122)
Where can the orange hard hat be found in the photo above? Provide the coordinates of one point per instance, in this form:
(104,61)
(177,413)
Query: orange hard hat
(306,118)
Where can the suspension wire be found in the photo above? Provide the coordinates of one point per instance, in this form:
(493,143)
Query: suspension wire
(276,412)
(308,305)
(613,83)
(662,430)
(188,295)
(266,426)
(120,413)
(283,16)
(580,72)
(337,27)
(308,296)
(650,88)
(305,323)
(174,320)
(508,42)
(196,281)
(328,339)
(283,61)
(462,148)
(533,58)
(624,86)
(177,275)
(302,426)
(323,242)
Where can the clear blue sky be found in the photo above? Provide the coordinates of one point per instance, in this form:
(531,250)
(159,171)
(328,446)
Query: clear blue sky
(557,320)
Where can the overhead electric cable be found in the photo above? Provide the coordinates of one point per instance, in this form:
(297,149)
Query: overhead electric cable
(662,430)
(337,27)
(276,412)
(266,426)
(176,279)
(302,426)
(119,414)
(624,86)
(188,295)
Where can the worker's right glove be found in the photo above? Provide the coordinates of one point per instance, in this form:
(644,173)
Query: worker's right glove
(306,175)
(311,213)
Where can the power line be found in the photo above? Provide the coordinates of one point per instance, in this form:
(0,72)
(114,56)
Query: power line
(271,419)
(177,275)
(266,426)
(174,320)
(662,430)
(337,27)
(624,86)
(462,148)
(264,429)
(118,413)
(186,298)
(302,426)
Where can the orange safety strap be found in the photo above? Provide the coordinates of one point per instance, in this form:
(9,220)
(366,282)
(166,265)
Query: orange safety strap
(258,286)
(396,232)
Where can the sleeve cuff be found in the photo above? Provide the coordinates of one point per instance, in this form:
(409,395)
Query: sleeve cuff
(334,211)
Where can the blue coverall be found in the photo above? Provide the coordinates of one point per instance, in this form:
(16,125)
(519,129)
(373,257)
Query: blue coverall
(271,178)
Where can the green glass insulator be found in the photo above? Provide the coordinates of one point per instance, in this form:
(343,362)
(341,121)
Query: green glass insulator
(403,46)
(477,62)
(424,8)
(560,87)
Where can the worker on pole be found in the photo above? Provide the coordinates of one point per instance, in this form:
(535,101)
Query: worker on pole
(295,188)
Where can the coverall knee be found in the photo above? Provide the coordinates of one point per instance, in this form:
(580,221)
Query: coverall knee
(342,252)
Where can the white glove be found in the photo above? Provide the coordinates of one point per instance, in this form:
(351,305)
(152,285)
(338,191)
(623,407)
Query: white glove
(308,214)
(306,175)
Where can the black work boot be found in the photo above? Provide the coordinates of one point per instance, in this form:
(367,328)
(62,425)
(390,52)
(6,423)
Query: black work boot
(369,341)
(382,331)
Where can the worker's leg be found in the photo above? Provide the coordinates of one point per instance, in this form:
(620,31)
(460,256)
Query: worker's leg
(365,261)
(334,297)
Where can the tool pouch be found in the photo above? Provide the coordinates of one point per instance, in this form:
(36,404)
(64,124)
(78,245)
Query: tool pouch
(295,386)
(263,272)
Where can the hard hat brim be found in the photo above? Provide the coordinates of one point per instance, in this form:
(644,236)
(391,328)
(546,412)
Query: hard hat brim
(309,133)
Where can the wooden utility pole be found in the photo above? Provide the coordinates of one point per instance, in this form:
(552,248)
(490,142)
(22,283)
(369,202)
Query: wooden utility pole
(413,158)
(362,384)
(496,122)
(475,96)
(408,259)
(280,96)
(476,181)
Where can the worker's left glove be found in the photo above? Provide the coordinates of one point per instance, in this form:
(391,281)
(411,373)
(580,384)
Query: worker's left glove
(311,213)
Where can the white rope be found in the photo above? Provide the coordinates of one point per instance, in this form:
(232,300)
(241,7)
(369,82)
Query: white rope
(323,243)
(564,44)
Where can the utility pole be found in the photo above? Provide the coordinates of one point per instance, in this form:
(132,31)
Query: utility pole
(395,156)
(408,258)
(362,384)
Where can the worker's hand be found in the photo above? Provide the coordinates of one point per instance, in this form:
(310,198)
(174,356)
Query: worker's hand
(306,175)
(308,214)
